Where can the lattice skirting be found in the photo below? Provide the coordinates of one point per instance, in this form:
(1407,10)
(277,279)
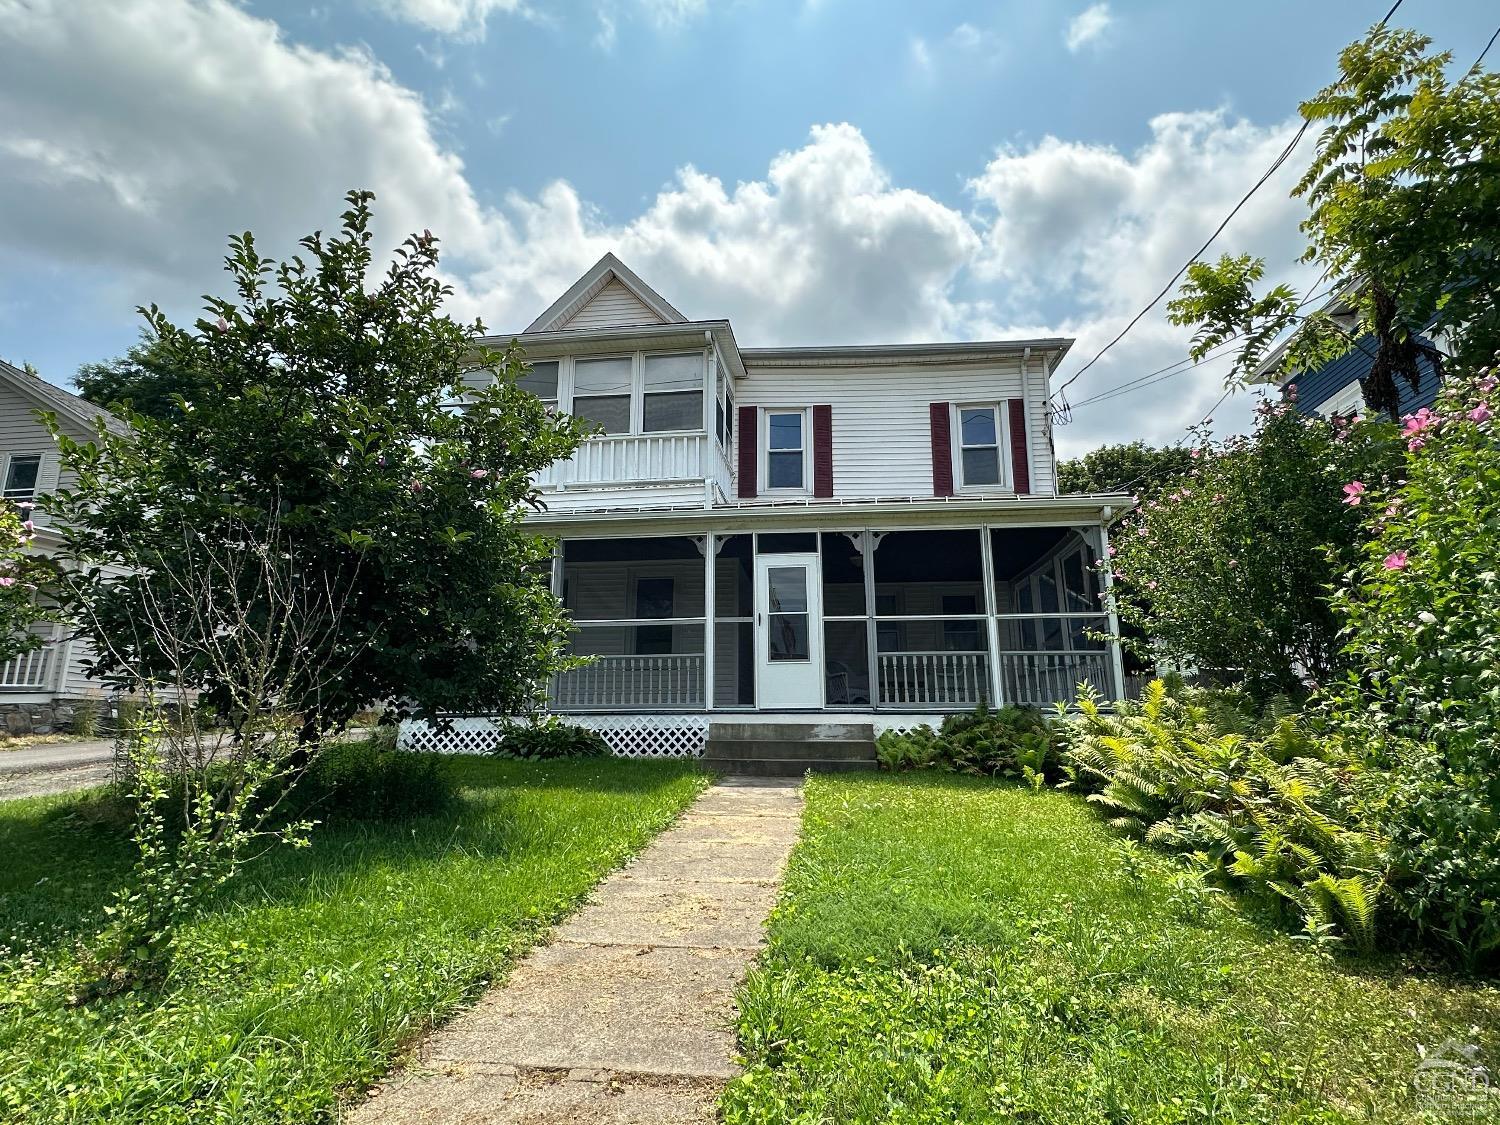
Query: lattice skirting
(628,736)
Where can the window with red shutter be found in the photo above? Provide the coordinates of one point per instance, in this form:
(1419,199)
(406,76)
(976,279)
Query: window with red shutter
(942,449)
(822,435)
(749,453)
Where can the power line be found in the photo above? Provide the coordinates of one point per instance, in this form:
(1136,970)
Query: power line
(1276,164)
(1487,46)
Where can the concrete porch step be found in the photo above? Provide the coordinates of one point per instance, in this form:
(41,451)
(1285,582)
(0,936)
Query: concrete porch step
(820,750)
(809,731)
(785,767)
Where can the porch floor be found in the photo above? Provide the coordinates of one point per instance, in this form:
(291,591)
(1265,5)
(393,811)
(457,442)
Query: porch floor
(626,1016)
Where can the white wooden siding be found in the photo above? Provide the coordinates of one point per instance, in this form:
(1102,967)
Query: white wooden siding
(882,435)
(612,305)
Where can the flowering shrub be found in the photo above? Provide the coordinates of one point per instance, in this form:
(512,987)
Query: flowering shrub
(1230,572)
(1423,644)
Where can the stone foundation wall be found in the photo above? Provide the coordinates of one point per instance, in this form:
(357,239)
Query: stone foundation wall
(57,716)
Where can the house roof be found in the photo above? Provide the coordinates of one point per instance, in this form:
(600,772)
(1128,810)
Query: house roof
(904,354)
(606,270)
(48,396)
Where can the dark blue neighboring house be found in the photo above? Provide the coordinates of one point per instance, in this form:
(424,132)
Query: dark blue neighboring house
(1334,388)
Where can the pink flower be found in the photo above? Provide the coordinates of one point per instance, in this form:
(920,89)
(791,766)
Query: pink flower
(1353,491)
(1195,453)
(1396,560)
(1113,552)
(1233,563)
(1218,498)
(1415,423)
(479,474)
(7,581)
(416,486)
(1489,383)
(1480,413)
(1416,443)
(28,525)
(221,324)
(1151,585)
(1119,576)
(25,505)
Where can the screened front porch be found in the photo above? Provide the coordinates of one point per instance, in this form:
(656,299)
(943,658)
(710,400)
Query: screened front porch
(913,620)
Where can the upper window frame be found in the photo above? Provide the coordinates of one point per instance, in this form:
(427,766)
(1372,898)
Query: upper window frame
(17,495)
(567,366)
(764,453)
(999,409)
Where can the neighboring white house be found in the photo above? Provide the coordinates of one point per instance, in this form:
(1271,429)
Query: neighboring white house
(844,531)
(37,687)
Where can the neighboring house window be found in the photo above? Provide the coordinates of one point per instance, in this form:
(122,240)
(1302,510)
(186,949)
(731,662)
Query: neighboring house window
(653,598)
(786,449)
(979,459)
(672,393)
(601,393)
(20,476)
(541,381)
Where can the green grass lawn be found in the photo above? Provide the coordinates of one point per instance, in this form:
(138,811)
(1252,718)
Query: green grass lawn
(955,950)
(319,964)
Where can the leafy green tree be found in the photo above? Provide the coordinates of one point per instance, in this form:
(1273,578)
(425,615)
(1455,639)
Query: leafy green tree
(1231,572)
(1127,467)
(150,379)
(331,416)
(21,573)
(1403,197)
(1423,643)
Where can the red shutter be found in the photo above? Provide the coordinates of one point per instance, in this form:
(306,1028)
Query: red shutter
(822,438)
(749,452)
(1020,464)
(942,450)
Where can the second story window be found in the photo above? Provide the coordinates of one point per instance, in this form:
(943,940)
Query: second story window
(979,446)
(601,393)
(21,473)
(541,381)
(786,449)
(672,393)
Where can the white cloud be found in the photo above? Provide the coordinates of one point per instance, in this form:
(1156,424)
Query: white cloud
(921,55)
(1101,231)
(136,139)
(1088,26)
(462,19)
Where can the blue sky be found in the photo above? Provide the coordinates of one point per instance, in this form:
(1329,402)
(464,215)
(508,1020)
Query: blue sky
(820,171)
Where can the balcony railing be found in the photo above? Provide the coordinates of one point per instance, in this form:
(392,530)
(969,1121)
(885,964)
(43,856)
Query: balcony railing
(613,682)
(645,458)
(933,679)
(30,671)
(1040,679)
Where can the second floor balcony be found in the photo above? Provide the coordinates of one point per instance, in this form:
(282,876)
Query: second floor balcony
(643,460)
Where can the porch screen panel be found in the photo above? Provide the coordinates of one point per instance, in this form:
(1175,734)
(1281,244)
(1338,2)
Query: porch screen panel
(931,639)
(734,627)
(638,612)
(1050,620)
(846,622)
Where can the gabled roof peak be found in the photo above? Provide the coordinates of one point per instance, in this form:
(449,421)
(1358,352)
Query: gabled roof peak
(606,271)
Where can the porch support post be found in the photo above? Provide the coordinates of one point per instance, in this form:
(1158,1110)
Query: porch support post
(991,626)
(868,543)
(557,592)
(1117,654)
(710,554)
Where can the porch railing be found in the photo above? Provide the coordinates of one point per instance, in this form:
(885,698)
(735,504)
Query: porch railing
(1040,679)
(30,671)
(626,459)
(933,679)
(613,682)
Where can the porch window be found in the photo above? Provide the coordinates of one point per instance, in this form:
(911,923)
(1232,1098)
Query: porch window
(1049,614)
(21,475)
(601,393)
(638,611)
(672,393)
(979,450)
(931,644)
(723,408)
(541,380)
(786,449)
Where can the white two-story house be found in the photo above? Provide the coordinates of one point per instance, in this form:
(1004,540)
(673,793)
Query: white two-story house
(756,532)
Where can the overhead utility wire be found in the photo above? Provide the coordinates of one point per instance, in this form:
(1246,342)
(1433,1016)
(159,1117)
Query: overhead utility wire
(1276,164)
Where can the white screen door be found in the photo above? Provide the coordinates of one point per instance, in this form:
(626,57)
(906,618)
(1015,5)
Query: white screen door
(788,631)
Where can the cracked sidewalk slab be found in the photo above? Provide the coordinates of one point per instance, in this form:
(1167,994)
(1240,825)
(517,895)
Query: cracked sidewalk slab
(627,1015)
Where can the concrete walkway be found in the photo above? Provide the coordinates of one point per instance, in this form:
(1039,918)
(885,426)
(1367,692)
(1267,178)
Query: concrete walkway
(626,1018)
(59,767)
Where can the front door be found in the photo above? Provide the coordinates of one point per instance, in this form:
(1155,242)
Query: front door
(788,631)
